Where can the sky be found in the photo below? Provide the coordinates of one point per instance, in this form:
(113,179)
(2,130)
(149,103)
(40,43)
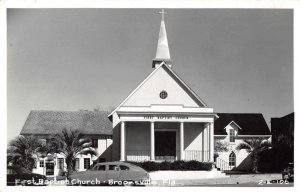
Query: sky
(236,60)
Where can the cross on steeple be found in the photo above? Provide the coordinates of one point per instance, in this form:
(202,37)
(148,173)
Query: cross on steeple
(162,12)
(162,51)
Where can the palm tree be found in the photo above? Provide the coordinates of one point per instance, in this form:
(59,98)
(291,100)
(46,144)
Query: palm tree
(254,146)
(23,149)
(220,147)
(70,144)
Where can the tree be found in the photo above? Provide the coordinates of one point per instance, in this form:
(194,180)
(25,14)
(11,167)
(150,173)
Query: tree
(283,151)
(220,147)
(254,146)
(70,144)
(23,149)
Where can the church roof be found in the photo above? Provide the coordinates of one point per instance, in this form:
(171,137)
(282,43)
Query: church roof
(162,61)
(250,123)
(53,122)
(171,72)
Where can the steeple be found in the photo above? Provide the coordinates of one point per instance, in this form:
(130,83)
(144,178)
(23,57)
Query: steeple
(162,52)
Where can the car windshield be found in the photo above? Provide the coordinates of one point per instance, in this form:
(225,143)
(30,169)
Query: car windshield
(124,168)
(101,168)
(97,168)
(113,167)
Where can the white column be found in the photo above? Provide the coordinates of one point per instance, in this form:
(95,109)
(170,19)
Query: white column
(203,143)
(206,142)
(152,145)
(122,141)
(181,141)
(211,142)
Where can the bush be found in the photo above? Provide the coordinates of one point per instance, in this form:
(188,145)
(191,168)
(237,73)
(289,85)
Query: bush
(175,166)
(165,166)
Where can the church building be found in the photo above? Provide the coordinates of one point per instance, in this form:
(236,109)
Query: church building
(163,119)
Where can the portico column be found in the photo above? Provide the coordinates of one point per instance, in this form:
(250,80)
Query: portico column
(206,142)
(152,146)
(181,141)
(203,143)
(122,141)
(211,142)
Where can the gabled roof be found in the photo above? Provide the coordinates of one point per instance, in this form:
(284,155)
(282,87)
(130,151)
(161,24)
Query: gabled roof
(250,123)
(53,122)
(232,122)
(163,64)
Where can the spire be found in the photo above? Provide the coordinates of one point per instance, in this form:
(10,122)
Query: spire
(162,52)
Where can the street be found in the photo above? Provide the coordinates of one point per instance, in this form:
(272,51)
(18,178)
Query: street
(247,180)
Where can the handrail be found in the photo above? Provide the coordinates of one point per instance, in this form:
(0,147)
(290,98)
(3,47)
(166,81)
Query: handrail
(144,155)
(222,165)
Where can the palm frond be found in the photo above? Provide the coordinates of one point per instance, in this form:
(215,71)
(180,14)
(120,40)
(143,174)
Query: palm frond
(89,150)
(245,146)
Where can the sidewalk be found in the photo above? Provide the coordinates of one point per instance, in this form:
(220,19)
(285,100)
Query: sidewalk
(254,179)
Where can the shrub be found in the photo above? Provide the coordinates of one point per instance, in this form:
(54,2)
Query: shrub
(165,166)
(175,166)
(179,165)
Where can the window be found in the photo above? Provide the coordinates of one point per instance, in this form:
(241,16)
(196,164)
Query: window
(95,143)
(41,163)
(60,163)
(163,95)
(113,168)
(10,171)
(99,168)
(124,168)
(231,135)
(77,164)
(232,159)
(86,162)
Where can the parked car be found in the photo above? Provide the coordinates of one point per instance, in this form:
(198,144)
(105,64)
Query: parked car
(19,176)
(288,173)
(111,173)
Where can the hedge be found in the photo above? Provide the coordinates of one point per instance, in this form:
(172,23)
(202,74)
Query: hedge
(176,165)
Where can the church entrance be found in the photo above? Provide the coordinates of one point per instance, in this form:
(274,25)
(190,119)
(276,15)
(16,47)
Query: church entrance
(165,145)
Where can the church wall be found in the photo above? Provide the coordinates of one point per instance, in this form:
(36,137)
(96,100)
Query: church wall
(137,144)
(148,94)
(243,160)
(193,136)
(195,142)
(242,163)
(116,143)
(137,140)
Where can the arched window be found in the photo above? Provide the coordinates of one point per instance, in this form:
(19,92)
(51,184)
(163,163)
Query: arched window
(232,159)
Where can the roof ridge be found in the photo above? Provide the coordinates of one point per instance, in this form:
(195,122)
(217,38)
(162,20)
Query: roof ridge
(241,113)
(68,111)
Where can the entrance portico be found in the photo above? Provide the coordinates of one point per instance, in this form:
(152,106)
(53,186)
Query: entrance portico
(170,135)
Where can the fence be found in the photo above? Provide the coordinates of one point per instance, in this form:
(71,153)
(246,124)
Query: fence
(222,165)
(144,155)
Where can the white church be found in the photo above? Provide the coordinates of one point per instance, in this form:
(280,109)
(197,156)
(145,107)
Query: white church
(163,119)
